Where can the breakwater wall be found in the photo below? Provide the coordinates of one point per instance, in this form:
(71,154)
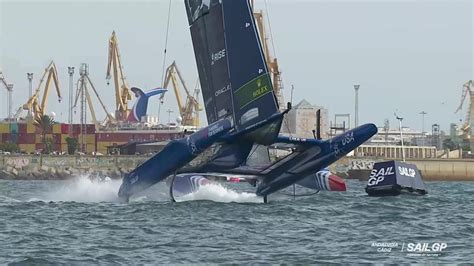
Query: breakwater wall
(430,169)
(63,167)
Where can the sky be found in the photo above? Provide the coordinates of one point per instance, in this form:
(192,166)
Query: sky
(407,56)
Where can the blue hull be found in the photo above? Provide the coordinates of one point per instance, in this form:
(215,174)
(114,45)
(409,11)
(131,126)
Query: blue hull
(174,156)
(315,156)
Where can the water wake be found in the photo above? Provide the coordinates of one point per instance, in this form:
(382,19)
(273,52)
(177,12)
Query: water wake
(85,189)
(8,199)
(218,193)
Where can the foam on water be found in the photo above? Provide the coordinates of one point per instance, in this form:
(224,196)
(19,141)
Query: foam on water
(83,189)
(8,199)
(218,193)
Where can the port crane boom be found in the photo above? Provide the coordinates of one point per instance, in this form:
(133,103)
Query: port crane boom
(271,61)
(467,88)
(122,90)
(33,104)
(189,111)
(9,87)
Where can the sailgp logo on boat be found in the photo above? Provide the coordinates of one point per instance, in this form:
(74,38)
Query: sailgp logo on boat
(377,176)
(217,56)
(406,171)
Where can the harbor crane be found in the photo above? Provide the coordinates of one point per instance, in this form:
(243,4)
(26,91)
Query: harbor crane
(467,87)
(189,110)
(36,106)
(9,87)
(82,93)
(122,90)
(272,62)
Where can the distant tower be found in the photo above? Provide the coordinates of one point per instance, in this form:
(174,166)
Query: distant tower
(356,115)
(435,128)
(83,72)
(169,115)
(30,94)
(423,113)
(386,128)
(9,102)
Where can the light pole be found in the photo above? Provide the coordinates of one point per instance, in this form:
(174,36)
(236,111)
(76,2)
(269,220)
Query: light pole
(169,116)
(356,116)
(9,100)
(423,113)
(70,70)
(84,73)
(30,94)
(400,119)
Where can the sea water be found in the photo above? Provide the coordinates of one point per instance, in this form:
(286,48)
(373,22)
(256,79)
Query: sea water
(82,221)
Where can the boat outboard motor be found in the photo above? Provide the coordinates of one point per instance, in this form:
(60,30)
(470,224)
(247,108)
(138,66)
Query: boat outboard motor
(393,177)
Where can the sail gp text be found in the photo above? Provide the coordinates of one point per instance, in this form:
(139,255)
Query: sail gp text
(377,176)
(434,249)
(424,249)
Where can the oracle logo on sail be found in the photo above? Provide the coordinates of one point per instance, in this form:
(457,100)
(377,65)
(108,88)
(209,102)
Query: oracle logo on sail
(225,89)
(217,56)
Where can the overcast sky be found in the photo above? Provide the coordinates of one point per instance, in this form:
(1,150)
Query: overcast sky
(409,56)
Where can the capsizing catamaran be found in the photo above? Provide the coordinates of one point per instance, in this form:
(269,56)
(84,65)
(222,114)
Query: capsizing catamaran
(242,113)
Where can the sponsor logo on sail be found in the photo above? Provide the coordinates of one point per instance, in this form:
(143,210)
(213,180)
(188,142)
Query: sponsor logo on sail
(253,90)
(223,90)
(217,56)
(260,89)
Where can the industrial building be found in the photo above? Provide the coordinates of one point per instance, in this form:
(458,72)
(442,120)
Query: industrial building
(396,152)
(29,140)
(301,120)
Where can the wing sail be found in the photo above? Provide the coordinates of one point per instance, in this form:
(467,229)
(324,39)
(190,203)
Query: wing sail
(232,68)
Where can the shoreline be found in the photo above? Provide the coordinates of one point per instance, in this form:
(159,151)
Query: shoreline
(33,167)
